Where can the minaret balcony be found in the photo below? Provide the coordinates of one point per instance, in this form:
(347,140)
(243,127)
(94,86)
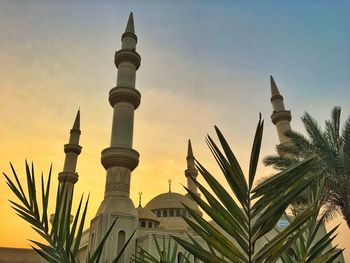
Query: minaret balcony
(125,55)
(67,177)
(77,131)
(119,157)
(129,34)
(276,97)
(125,94)
(281,115)
(191,172)
(72,148)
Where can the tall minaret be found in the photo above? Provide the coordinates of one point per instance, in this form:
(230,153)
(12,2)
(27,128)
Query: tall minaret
(72,150)
(68,177)
(191,170)
(120,159)
(280,116)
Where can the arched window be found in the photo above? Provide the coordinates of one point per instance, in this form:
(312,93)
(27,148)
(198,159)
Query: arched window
(165,213)
(121,243)
(159,213)
(143,224)
(149,224)
(180,257)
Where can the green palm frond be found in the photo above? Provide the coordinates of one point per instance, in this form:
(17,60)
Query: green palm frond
(308,247)
(331,144)
(63,238)
(280,162)
(167,252)
(253,213)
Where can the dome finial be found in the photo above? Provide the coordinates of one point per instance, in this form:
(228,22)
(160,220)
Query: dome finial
(140,198)
(169,181)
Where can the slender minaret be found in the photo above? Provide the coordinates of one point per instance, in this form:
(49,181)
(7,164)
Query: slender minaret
(280,116)
(120,159)
(68,177)
(191,171)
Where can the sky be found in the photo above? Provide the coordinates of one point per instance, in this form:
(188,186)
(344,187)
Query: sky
(204,63)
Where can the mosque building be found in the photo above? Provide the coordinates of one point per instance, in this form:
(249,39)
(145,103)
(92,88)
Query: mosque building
(162,215)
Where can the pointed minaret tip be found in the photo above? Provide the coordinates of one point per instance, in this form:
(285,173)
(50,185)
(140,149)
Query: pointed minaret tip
(76,125)
(130,25)
(189,149)
(274,89)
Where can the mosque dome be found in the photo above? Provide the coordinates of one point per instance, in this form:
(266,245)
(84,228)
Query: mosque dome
(168,209)
(146,218)
(146,214)
(170,200)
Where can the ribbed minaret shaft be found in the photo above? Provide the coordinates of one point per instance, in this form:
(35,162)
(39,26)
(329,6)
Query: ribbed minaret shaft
(119,159)
(280,116)
(191,171)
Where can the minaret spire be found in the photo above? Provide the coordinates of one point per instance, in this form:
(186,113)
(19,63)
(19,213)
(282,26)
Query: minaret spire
(76,124)
(120,159)
(189,150)
(274,89)
(130,28)
(191,171)
(280,116)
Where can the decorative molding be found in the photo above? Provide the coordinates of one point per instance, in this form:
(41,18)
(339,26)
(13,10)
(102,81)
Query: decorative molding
(129,34)
(68,177)
(77,131)
(119,156)
(125,55)
(281,115)
(276,97)
(117,186)
(191,172)
(72,148)
(125,94)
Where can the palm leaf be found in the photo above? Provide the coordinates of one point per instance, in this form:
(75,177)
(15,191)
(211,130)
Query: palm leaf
(244,221)
(63,239)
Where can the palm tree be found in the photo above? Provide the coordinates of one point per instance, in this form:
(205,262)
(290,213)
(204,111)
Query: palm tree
(253,213)
(307,247)
(333,145)
(62,239)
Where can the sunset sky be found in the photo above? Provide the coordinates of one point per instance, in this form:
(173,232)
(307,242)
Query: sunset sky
(203,64)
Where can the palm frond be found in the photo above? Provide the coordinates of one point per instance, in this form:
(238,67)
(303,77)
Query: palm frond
(332,145)
(168,252)
(63,239)
(254,214)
